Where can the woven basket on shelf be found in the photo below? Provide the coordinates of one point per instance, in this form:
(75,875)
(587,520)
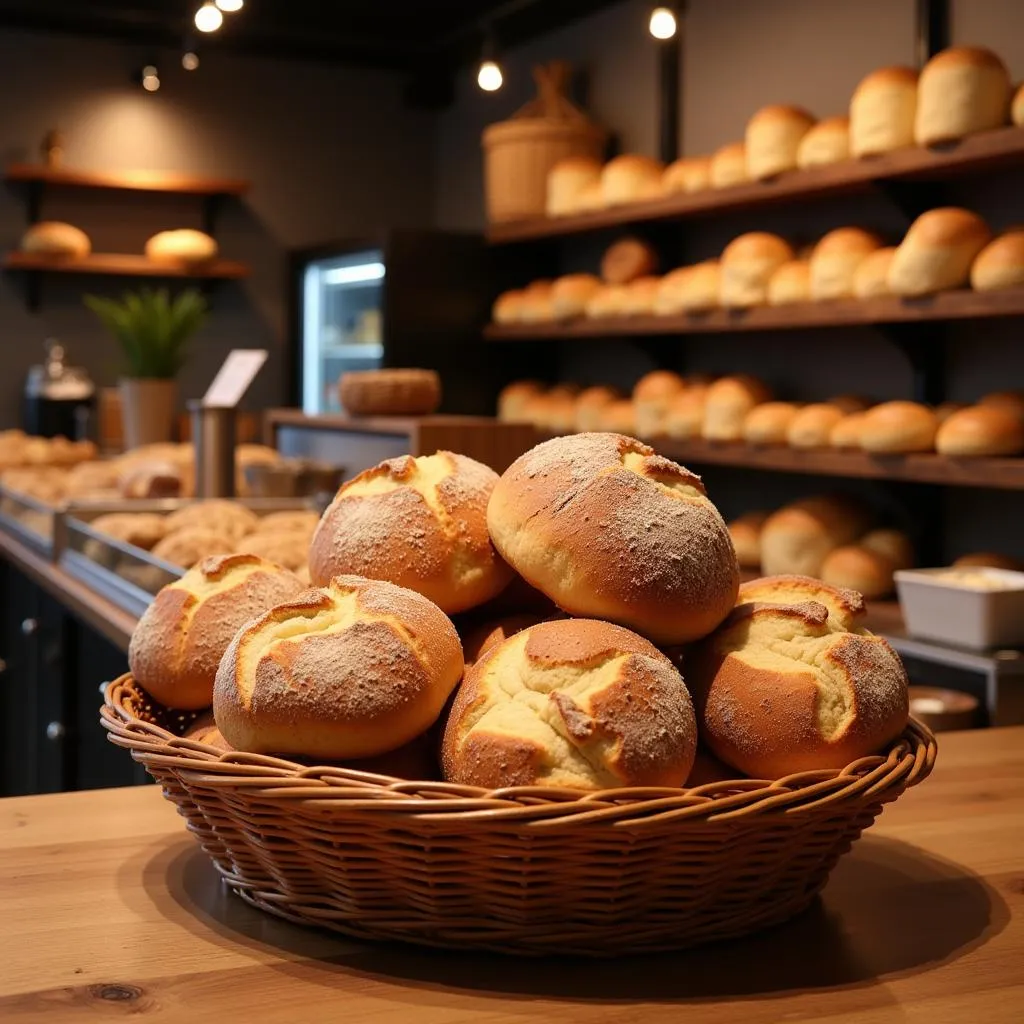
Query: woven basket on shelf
(523,870)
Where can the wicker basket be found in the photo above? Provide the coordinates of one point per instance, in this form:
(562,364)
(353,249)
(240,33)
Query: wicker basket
(524,870)
(519,152)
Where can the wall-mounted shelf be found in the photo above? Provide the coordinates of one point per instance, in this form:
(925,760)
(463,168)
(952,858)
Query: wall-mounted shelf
(986,151)
(130,181)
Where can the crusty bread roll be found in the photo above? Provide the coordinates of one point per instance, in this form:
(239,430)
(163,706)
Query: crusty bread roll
(981,430)
(797,538)
(791,282)
(571,293)
(769,423)
(847,404)
(289,548)
(289,521)
(658,560)
(419,523)
(746,538)
(834,262)
(478,641)
(178,643)
(963,90)
(812,426)
(220,514)
(687,174)
(882,111)
(899,427)
(684,418)
(607,302)
(946,409)
(513,399)
(92,479)
(391,392)
(508,307)
(628,259)
(1012,401)
(846,432)
(773,137)
(747,265)
(1000,264)
(140,529)
(55,238)
(988,559)
(618,417)
(204,730)
(872,274)
(669,300)
(144,479)
(590,406)
(937,252)
(792,682)
(590,198)
(729,402)
(567,179)
(653,394)
(641,296)
(729,166)
(353,669)
(575,703)
(191,544)
(535,306)
(631,178)
(701,287)
(827,142)
(858,567)
(893,544)
(182,245)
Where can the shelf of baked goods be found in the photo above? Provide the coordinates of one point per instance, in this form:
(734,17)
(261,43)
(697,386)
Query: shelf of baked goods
(124,265)
(126,181)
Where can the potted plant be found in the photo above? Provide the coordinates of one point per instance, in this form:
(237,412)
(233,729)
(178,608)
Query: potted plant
(153,331)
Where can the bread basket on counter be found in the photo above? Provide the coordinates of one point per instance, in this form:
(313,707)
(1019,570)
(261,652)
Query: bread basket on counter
(524,870)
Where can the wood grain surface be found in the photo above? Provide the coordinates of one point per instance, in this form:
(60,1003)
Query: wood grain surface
(110,910)
(131,181)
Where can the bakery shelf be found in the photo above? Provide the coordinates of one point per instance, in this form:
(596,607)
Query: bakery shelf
(1002,147)
(127,265)
(129,181)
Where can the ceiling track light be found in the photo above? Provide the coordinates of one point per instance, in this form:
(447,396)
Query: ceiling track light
(489,75)
(663,23)
(209,17)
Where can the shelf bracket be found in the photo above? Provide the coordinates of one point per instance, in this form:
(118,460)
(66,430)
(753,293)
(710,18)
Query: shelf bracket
(924,347)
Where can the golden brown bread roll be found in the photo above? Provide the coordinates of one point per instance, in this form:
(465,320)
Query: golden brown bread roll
(773,138)
(514,397)
(640,296)
(729,401)
(746,538)
(937,252)
(747,265)
(288,548)
(701,287)
(1000,264)
(669,299)
(567,180)
(963,90)
(590,198)
(92,479)
(631,178)
(882,111)
(626,260)
(899,427)
(479,640)
(182,245)
(1012,401)
(574,703)
(392,392)
(191,544)
(827,142)
(219,514)
(590,406)
(769,423)
(792,682)
(893,544)
(946,409)
(981,430)
(791,282)
(1017,106)
(729,166)
(846,432)
(55,238)
(419,523)
(618,417)
(608,529)
(687,174)
(182,636)
(571,293)
(684,418)
(204,730)
(297,521)
(608,301)
(350,670)
(858,567)
(872,274)
(554,412)
(835,260)
(847,404)
(140,529)
(797,538)
(812,426)
(988,559)
(508,307)
(535,306)
(652,395)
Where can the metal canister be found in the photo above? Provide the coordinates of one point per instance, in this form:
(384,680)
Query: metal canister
(213,434)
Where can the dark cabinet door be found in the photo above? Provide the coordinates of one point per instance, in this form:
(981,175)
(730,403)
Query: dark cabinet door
(49,633)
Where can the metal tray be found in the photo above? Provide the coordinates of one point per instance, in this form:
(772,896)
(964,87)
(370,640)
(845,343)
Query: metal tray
(29,520)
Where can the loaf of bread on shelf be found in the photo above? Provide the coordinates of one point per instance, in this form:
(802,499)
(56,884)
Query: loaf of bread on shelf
(571,293)
(302,521)
(641,296)
(391,392)
(988,559)
(827,142)
(508,307)
(849,403)
(288,548)
(700,289)
(1012,401)
(513,399)
(567,180)
(882,111)
(798,537)
(653,394)
(227,517)
(963,90)
(899,427)
(535,306)
(937,252)
(981,430)
(790,283)
(631,178)
(773,138)
(182,245)
(628,259)
(729,166)
(946,409)
(846,432)
(747,265)
(729,402)
(769,423)
(893,544)
(687,174)
(684,418)
(745,532)
(834,262)
(56,238)
(590,405)
(608,302)
(1000,264)
(871,277)
(858,567)
(618,417)
(812,426)
(669,299)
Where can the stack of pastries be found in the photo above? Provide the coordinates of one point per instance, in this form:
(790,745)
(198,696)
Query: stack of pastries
(526,629)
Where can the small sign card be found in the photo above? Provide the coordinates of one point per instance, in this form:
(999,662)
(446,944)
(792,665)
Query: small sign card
(234,377)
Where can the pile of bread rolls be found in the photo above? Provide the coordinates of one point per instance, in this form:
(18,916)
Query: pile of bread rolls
(960,91)
(523,630)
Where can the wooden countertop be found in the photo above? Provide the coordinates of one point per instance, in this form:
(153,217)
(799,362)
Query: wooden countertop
(111,909)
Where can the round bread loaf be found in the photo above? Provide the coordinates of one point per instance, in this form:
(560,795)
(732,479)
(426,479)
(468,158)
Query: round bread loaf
(298,521)
(140,529)
(573,703)
(812,426)
(390,392)
(182,245)
(773,138)
(478,641)
(893,544)
(858,567)
(1000,264)
(652,396)
(618,417)
(567,180)
(946,409)
(640,296)
(191,544)
(571,293)
(590,406)
(701,287)
(420,523)
(354,669)
(685,416)
(872,274)
(882,111)
(791,682)
(55,238)
(590,198)
(847,432)
(981,430)
(748,263)
(631,178)
(607,301)
(899,427)
(513,399)
(687,174)
(746,538)
(92,479)
(834,262)
(729,401)
(669,300)
(554,413)
(178,643)
(225,517)
(769,423)
(937,252)
(963,90)
(729,166)
(536,306)
(283,547)
(827,142)
(626,260)
(790,283)
(508,307)
(847,404)
(797,538)
(610,530)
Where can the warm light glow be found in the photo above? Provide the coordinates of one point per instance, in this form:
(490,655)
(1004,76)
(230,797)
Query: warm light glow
(354,275)
(489,77)
(208,18)
(150,78)
(190,61)
(662,23)
(230,6)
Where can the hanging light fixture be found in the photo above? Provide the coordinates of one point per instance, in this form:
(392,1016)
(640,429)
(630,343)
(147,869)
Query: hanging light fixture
(230,6)
(190,60)
(489,75)
(663,23)
(208,18)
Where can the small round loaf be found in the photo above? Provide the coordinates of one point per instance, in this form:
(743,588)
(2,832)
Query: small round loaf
(812,426)
(55,238)
(792,682)
(140,529)
(828,142)
(981,430)
(988,560)
(513,399)
(899,427)
(746,538)
(669,300)
(567,180)
(687,174)
(858,567)
(607,302)
(353,669)
(893,544)
(871,277)
(590,198)
(797,538)
(419,523)
(748,263)
(729,401)
(191,544)
(298,521)
(846,432)
(1000,264)
(590,406)
(554,412)
(508,307)
(684,418)
(221,515)
(790,283)
(179,641)
(937,252)
(618,417)
(571,293)
(390,392)
(835,260)
(631,178)
(963,90)
(478,641)
(773,138)
(536,306)
(882,111)
(626,260)
(289,548)
(769,423)
(574,703)
(652,396)
(182,245)
(608,529)
(701,287)
(946,409)
(640,296)
(728,166)
(1011,401)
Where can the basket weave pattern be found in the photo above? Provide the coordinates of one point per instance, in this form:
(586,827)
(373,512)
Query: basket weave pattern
(524,870)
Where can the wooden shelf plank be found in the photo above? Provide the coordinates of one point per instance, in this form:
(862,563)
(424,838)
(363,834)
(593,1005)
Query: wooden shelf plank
(127,265)
(1002,147)
(133,181)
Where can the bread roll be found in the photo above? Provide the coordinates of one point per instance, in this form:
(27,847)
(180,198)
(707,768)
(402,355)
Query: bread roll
(479,640)
(183,245)
(729,166)
(1017,106)
(882,111)
(140,529)
(1012,401)
(98,479)
(700,289)
(184,548)
(772,139)
(513,399)
(573,703)
(179,641)
(688,174)
(857,567)
(289,548)
(391,392)
(619,417)
(963,90)
(797,538)
(1000,264)
(747,265)
(607,529)
(353,669)
(220,514)
(684,418)
(571,293)
(669,300)
(55,238)
(790,283)
(626,260)
(872,274)
(893,544)
(640,297)
(557,414)
(946,409)
(729,402)
(298,521)
(508,307)
(590,406)
(769,423)
(847,404)
(899,427)
(535,306)
(812,426)
(652,396)
(988,559)
(846,433)
(567,179)
(835,260)
(746,538)
(631,178)
(607,302)
(204,730)
(590,198)
(792,682)
(937,252)
(827,142)
(981,430)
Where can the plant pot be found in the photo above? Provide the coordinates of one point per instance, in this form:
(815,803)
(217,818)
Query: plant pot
(148,407)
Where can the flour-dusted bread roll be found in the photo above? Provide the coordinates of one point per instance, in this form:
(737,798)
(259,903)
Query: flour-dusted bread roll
(871,277)
(628,259)
(574,703)
(420,523)
(899,427)
(847,432)
(688,174)
(55,238)
(179,641)
(746,538)
(882,111)
(571,293)
(182,245)
(981,430)
(590,406)
(773,138)
(652,396)
(508,307)
(1000,264)
(812,426)
(937,252)
(567,180)
(858,567)
(792,682)
(747,265)
(963,90)
(828,142)
(700,289)
(768,423)
(608,529)
(631,178)
(729,166)
(834,262)
(893,544)
(354,669)
(477,641)
(729,402)
(514,397)
(797,538)
(790,283)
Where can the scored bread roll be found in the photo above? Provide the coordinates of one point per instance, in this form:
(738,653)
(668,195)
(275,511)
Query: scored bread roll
(746,538)
(590,405)
(812,426)
(847,431)
(618,417)
(797,538)
(179,641)
(354,669)
(963,90)
(420,523)
(508,307)
(687,174)
(55,238)
(626,260)
(571,293)
(652,396)
(747,265)
(182,245)
(872,274)
(882,111)
(769,423)
(792,682)
(981,430)
(827,142)
(728,166)
(773,138)
(700,288)
(937,252)
(514,398)
(631,178)
(669,300)
(1000,264)
(893,544)
(684,418)
(729,402)
(567,179)
(790,283)
(640,297)
(834,262)
(608,301)
(899,427)
(858,567)
(607,529)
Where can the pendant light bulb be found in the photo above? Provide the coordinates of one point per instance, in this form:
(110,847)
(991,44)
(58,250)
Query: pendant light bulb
(663,23)
(209,18)
(230,6)
(190,60)
(150,78)
(489,77)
